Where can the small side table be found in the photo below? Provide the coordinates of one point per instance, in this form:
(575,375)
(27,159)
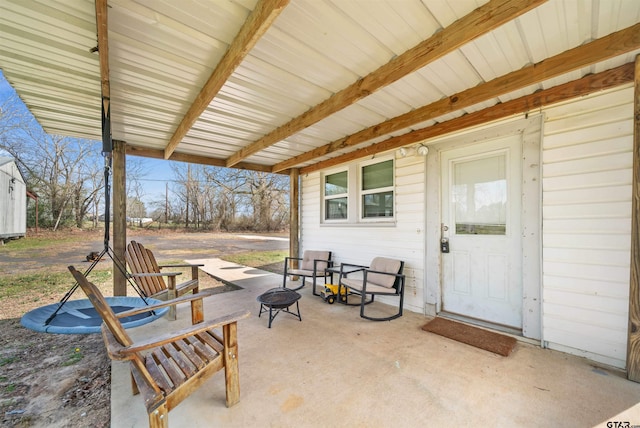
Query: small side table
(344,270)
(279,299)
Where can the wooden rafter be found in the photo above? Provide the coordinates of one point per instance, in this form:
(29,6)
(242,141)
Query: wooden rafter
(103,46)
(601,49)
(257,23)
(196,159)
(584,86)
(464,30)
(102,30)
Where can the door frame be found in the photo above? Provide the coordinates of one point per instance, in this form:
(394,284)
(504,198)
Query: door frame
(531,217)
(479,250)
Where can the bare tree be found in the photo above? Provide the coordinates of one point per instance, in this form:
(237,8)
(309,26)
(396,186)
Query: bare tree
(87,190)
(228,184)
(228,199)
(63,171)
(268,199)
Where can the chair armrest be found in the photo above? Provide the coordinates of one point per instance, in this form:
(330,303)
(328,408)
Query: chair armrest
(351,268)
(287,262)
(181,334)
(286,259)
(150,274)
(182,299)
(180,265)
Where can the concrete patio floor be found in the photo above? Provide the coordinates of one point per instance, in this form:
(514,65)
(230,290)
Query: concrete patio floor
(335,369)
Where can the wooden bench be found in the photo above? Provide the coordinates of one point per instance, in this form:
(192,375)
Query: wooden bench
(166,369)
(148,275)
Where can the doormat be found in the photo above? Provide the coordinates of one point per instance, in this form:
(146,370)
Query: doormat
(480,338)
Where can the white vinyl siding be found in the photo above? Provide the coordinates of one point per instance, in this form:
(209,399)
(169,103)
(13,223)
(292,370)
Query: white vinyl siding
(402,238)
(587,173)
(586,167)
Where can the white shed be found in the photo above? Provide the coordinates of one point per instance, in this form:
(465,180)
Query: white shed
(13,200)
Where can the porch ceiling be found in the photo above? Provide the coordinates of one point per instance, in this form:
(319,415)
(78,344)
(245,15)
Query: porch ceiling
(276,84)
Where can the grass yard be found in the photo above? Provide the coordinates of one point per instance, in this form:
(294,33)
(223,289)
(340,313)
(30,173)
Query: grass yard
(61,380)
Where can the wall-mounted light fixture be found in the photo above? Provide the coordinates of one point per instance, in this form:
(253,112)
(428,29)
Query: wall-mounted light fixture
(402,152)
(419,150)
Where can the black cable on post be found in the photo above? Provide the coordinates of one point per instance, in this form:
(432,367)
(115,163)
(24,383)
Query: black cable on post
(107,152)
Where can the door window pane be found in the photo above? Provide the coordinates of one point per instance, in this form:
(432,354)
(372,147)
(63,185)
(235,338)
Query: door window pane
(480,196)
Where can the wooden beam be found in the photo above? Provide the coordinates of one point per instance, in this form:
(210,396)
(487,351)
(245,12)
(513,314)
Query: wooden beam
(196,159)
(633,343)
(119,216)
(588,84)
(482,20)
(257,23)
(117,154)
(102,30)
(599,50)
(294,213)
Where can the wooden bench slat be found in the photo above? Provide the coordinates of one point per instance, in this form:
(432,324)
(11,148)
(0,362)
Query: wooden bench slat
(187,367)
(186,349)
(158,375)
(202,349)
(171,369)
(211,341)
(150,397)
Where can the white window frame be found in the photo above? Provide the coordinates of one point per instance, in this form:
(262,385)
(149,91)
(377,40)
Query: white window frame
(355,195)
(326,197)
(362,193)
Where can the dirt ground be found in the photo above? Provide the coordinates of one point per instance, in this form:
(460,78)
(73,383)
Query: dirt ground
(63,380)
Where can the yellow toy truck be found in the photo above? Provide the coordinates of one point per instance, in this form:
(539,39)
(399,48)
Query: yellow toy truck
(330,292)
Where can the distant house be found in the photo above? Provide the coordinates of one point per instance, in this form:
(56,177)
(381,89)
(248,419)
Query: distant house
(13,200)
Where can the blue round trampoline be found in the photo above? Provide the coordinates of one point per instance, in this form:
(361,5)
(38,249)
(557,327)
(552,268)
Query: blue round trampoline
(80,317)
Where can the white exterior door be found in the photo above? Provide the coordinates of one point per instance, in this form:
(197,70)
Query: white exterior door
(481,223)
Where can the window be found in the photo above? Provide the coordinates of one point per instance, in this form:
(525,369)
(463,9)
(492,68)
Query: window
(336,198)
(377,190)
(360,193)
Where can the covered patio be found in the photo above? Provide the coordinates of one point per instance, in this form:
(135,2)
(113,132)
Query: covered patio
(336,369)
(304,87)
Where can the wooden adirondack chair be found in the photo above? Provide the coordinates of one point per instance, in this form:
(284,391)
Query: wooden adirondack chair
(168,368)
(148,275)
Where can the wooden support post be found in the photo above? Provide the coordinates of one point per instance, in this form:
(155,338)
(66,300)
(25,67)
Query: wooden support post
(119,216)
(231,371)
(171,295)
(633,344)
(294,213)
